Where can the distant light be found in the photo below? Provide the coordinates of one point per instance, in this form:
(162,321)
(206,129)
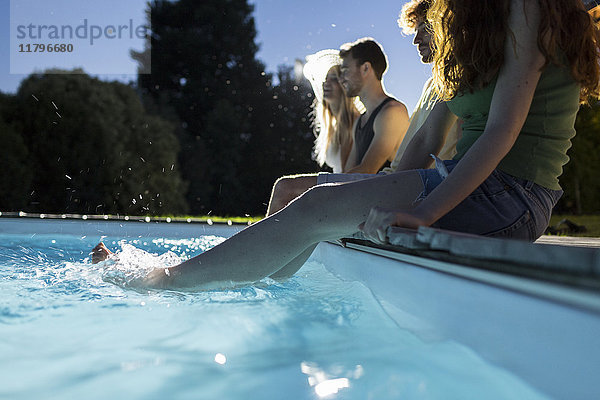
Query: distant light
(147,219)
(333,25)
(298,70)
(105,217)
(229,222)
(168,219)
(220,358)
(189,220)
(84,217)
(209,221)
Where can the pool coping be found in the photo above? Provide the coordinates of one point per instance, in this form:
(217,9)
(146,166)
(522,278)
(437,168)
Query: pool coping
(565,274)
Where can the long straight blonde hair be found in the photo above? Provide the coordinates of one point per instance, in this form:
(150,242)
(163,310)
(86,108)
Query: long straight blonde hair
(331,130)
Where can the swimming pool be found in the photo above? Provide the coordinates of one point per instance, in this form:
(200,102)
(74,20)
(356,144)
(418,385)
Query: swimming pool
(68,333)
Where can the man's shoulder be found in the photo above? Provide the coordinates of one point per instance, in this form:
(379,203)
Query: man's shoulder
(393,107)
(392,114)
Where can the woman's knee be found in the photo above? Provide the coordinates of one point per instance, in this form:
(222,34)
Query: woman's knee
(293,186)
(316,197)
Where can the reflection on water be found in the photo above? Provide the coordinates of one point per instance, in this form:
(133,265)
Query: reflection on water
(326,385)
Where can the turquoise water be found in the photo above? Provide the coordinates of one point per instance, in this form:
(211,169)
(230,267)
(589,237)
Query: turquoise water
(69,332)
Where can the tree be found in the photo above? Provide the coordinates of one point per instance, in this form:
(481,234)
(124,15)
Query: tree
(283,144)
(238,132)
(94,149)
(204,68)
(17,171)
(581,177)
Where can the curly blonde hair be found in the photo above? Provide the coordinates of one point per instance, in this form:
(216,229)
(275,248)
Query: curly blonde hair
(469,36)
(413,12)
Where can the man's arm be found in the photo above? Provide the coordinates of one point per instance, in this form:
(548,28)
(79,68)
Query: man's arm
(429,139)
(389,129)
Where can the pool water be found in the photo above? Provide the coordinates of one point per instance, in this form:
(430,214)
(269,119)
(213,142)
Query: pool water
(69,331)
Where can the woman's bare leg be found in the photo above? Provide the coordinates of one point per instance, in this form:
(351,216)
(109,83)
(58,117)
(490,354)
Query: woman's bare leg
(293,266)
(287,188)
(284,191)
(325,212)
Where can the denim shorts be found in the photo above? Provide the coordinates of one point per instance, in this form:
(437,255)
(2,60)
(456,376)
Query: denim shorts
(502,206)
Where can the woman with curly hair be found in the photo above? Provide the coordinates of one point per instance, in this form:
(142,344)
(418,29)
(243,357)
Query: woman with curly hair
(514,71)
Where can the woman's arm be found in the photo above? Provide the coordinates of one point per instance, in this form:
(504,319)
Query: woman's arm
(429,139)
(510,105)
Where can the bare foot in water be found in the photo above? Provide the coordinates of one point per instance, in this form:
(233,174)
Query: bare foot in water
(100,253)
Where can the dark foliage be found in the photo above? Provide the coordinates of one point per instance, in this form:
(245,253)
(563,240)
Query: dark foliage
(237,132)
(581,177)
(89,147)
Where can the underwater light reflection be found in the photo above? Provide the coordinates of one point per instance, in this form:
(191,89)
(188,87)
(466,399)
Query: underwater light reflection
(324,386)
(331,386)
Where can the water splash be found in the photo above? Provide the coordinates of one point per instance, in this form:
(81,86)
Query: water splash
(131,263)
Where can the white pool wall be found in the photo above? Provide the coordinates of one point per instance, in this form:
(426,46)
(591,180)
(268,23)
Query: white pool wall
(552,346)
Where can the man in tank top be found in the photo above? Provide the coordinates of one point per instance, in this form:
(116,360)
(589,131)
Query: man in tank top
(377,133)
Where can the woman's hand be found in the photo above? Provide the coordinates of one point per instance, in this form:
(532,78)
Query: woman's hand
(379,219)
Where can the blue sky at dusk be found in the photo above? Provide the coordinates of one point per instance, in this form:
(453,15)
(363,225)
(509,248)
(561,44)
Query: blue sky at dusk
(286,31)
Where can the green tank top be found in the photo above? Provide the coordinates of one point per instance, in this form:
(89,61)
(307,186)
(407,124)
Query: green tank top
(540,151)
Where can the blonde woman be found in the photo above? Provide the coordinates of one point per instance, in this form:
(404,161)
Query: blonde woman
(334,113)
